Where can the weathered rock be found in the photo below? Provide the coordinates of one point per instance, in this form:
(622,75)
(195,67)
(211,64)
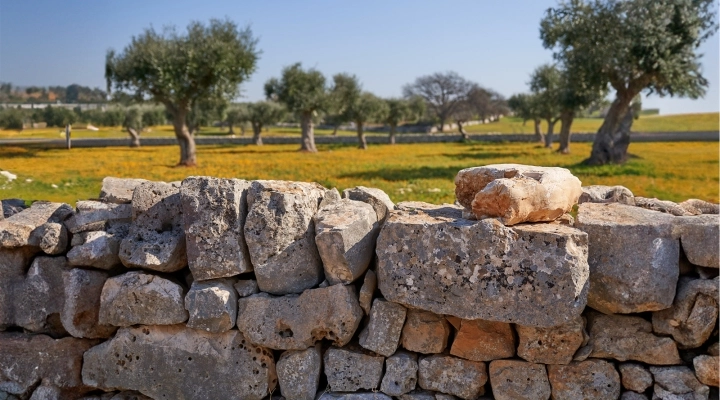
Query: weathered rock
(419,394)
(625,338)
(352,396)
(50,237)
(590,379)
(139,298)
(13,263)
(280,234)
(635,377)
(699,236)
(96,216)
(17,230)
(425,332)
(214,212)
(517,193)
(349,369)
(697,207)
(693,314)
(634,256)
(707,369)
(400,374)
(451,375)
(382,334)
(330,196)
(118,190)
(297,322)
(174,362)
(11,207)
(633,396)
(606,194)
(345,234)
(99,250)
(511,379)
(81,306)
(39,301)
(212,305)
(677,383)
(378,199)
(479,340)
(367,290)
(156,240)
(26,360)
(299,373)
(432,259)
(246,287)
(714,349)
(663,206)
(554,345)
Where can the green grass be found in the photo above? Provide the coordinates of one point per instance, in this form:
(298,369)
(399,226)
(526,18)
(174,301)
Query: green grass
(424,172)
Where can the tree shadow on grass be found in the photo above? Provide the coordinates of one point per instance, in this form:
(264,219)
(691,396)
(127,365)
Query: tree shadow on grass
(9,152)
(634,167)
(484,155)
(406,174)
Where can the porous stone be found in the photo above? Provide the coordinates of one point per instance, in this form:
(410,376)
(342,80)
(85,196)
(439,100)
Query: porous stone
(297,322)
(352,396)
(424,332)
(212,305)
(11,207)
(81,306)
(480,340)
(589,379)
(400,374)
(714,349)
(432,259)
(606,194)
(118,190)
(635,377)
(554,345)
(38,301)
(345,234)
(367,290)
(673,383)
(697,206)
(214,212)
(451,375)
(630,395)
(517,193)
(382,334)
(280,234)
(99,250)
(175,362)
(634,256)
(511,379)
(26,360)
(140,298)
(156,240)
(246,287)
(625,338)
(693,314)
(663,206)
(331,196)
(299,373)
(17,230)
(707,369)
(50,237)
(699,236)
(97,216)
(419,394)
(349,369)
(13,262)
(378,199)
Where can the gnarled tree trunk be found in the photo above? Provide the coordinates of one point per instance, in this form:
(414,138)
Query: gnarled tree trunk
(566,120)
(362,143)
(134,137)
(185,139)
(232,132)
(539,137)
(308,134)
(335,128)
(392,134)
(613,137)
(461,129)
(257,132)
(549,135)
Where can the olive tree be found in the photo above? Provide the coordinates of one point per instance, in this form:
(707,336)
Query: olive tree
(443,93)
(303,92)
(366,108)
(346,90)
(402,110)
(526,106)
(178,70)
(134,125)
(574,96)
(236,115)
(261,114)
(545,83)
(633,46)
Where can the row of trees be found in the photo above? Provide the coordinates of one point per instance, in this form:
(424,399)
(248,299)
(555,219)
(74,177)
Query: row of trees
(65,94)
(15,118)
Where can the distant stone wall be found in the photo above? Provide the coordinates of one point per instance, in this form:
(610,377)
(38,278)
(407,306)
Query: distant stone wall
(231,289)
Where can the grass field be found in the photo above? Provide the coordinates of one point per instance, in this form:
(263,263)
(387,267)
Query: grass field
(651,123)
(672,171)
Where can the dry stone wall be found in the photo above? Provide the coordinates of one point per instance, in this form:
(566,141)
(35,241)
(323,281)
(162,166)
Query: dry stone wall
(216,288)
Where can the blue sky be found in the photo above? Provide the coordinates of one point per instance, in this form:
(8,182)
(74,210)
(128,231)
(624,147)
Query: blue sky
(385,43)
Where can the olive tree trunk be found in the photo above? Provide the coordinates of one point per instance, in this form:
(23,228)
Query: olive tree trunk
(539,137)
(461,129)
(393,128)
(232,132)
(185,139)
(566,120)
(308,134)
(549,135)
(362,143)
(134,137)
(257,132)
(335,129)
(613,137)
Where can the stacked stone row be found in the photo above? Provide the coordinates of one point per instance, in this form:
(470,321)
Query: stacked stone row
(222,288)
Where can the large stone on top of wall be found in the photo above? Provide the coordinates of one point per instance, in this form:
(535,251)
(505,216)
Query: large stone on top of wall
(699,237)
(214,212)
(378,199)
(634,257)
(280,234)
(17,230)
(430,258)
(175,362)
(517,193)
(118,190)
(296,322)
(156,240)
(95,216)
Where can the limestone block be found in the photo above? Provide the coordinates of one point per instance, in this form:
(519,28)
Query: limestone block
(699,236)
(378,199)
(400,374)
(38,302)
(299,373)
(425,332)
(50,237)
(99,249)
(707,369)
(630,395)
(96,216)
(479,340)
(432,259)
(693,314)
(246,287)
(349,369)
(16,230)
(118,190)
(590,379)
(451,375)
(606,194)
(635,377)
(212,305)
(81,306)
(11,207)
(677,383)
(353,396)
(634,257)
(382,334)
(512,379)
(367,290)
(554,345)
